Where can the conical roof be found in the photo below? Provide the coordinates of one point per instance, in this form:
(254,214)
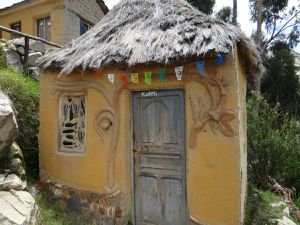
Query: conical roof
(151,31)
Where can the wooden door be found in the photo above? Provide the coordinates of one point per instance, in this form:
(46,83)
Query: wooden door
(159,158)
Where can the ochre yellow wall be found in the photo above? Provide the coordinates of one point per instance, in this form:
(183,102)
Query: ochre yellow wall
(29,13)
(215,186)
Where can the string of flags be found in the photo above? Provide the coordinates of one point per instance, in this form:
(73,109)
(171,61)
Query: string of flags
(162,74)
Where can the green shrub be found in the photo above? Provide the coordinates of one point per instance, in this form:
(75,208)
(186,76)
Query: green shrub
(3,62)
(24,93)
(273,145)
(259,209)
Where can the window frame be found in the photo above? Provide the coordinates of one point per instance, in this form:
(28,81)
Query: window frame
(60,147)
(12,36)
(89,26)
(44,19)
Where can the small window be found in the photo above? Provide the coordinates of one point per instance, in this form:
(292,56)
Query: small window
(84,27)
(72,123)
(44,28)
(15,26)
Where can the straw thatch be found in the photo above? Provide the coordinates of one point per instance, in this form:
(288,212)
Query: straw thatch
(151,31)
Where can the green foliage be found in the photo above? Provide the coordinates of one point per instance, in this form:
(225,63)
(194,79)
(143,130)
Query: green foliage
(24,93)
(225,14)
(52,214)
(281,83)
(259,209)
(3,63)
(273,145)
(297,203)
(281,23)
(205,6)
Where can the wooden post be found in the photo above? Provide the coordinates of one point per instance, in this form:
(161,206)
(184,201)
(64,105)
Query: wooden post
(26,53)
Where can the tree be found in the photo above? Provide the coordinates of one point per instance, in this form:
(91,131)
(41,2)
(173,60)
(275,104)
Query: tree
(273,145)
(281,83)
(205,6)
(225,14)
(280,23)
(234,12)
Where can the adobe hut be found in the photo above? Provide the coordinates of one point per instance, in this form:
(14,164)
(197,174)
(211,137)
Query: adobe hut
(143,118)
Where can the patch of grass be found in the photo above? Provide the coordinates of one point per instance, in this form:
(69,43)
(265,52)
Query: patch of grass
(259,209)
(52,214)
(24,93)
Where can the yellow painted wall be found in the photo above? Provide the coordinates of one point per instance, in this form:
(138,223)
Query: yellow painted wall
(215,187)
(29,13)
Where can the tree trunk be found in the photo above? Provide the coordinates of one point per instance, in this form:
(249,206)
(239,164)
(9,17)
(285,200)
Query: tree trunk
(258,42)
(234,12)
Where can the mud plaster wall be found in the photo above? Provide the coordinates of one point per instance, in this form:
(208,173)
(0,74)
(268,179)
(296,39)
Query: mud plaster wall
(214,183)
(242,89)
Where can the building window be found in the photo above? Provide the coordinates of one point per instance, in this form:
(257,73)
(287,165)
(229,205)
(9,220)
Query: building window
(72,123)
(44,28)
(84,27)
(15,26)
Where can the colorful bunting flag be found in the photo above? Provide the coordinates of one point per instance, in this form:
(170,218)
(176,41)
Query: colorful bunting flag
(111,78)
(201,67)
(220,58)
(179,72)
(135,78)
(123,77)
(148,78)
(162,75)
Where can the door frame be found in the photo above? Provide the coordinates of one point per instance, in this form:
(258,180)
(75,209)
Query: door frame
(132,161)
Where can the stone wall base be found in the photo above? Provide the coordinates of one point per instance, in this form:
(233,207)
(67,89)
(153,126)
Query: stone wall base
(102,209)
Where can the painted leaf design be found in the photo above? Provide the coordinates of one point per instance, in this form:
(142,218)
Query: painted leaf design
(224,125)
(227,116)
(226,129)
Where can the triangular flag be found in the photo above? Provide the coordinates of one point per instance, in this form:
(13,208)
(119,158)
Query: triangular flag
(179,72)
(201,67)
(99,73)
(111,78)
(135,78)
(123,77)
(148,78)
(162,75)
(220,58)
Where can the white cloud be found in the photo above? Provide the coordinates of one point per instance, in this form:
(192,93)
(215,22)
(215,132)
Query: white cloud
(111,3)
(5,3)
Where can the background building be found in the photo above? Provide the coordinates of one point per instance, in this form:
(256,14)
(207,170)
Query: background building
(59,21)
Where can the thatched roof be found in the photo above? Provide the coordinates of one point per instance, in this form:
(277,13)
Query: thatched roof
(151,31)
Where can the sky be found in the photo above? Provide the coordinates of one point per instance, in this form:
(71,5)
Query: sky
(243,12)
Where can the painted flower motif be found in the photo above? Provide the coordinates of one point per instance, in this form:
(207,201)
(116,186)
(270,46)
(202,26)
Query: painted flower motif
(221,122)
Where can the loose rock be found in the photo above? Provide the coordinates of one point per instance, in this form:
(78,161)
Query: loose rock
(2,178)
(35,46)
(8,125)
(13,59)
(34,72)
(285,221)
(33,57)
(12,181)
(18,208)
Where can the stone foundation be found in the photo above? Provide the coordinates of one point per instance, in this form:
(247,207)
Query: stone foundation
(103,209)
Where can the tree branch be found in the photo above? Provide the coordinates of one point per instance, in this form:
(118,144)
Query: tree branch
(284,27)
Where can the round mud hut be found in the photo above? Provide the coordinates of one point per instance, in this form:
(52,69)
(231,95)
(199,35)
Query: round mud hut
(143,118)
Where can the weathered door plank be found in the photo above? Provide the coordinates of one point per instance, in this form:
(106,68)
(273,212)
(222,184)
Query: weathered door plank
(159,158)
